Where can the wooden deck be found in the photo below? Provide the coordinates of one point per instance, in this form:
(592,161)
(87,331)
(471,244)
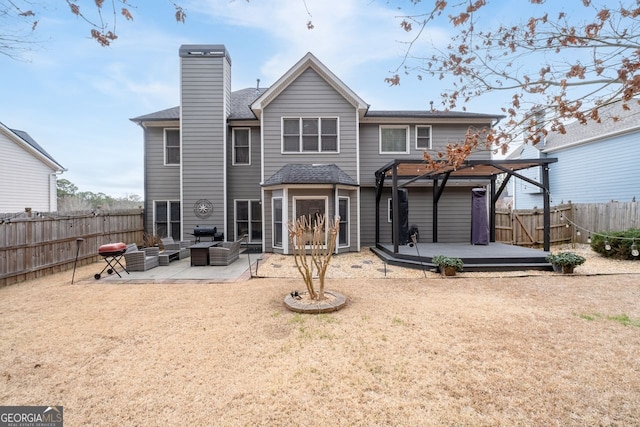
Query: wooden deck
(491,257)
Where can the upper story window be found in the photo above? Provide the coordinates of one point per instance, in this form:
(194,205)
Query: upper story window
(394,139)
(423,137)
(172,146)
(242,146)
(309,135)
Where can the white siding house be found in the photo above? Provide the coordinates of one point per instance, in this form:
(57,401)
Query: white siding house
(28,174)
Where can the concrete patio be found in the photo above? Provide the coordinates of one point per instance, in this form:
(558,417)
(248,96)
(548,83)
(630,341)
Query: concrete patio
(182,271)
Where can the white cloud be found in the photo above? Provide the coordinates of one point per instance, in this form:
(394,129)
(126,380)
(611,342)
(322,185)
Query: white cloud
(346,34)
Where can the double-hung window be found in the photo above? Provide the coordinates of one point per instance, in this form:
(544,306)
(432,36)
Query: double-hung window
(423,137)
(172,146)
(310,134)
(394,139)
(242,146)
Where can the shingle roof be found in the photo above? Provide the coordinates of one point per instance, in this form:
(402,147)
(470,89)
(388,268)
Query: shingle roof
(431,114)
(576,132)
(32,142)
(310,174)
(243,98)
(240,101)
(168,114)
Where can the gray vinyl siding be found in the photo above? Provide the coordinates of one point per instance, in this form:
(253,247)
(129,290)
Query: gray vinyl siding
(454,215)
(441,134)
(243,181)
(161,182)
(205,91)
(310,96)
(292,193)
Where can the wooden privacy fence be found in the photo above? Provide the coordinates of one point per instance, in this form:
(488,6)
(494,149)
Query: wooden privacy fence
(31,247)
(570,223)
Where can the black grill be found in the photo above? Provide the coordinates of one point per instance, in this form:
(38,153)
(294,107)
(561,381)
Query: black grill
(212,232)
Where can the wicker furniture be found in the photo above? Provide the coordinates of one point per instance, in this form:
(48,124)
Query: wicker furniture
(225,253)
(167,256)
(171,245)
(141,260)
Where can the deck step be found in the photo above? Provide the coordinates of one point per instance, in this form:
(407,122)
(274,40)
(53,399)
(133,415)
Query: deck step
(537,263)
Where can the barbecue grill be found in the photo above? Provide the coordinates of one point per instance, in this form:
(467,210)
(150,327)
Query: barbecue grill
(212,232)
(112,254)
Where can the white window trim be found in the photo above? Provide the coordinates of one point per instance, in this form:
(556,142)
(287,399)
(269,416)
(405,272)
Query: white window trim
(348,199)
(273,223)
(233,147)
(249,220)
(389,209)
(300,151)
(326,209)
(406,143)
(430,137)
(164,145)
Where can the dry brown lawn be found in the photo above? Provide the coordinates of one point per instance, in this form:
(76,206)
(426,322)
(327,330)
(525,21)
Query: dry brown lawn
(535,350)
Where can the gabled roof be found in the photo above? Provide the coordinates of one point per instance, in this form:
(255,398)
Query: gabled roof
(310,174)
(308,61)
(576,133)
(25,140)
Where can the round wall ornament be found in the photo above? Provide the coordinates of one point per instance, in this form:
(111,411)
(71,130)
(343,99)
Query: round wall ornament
(203,208)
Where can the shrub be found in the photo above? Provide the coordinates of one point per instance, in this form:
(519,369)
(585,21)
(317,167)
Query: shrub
(620,242)
(447,261)
(566,258)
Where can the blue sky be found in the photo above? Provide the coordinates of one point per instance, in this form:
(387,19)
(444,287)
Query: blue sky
(76,98)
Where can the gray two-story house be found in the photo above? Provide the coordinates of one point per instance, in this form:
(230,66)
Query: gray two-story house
(249,161)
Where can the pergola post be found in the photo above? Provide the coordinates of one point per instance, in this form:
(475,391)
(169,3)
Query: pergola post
(547,207)
(396,208)
(492,211)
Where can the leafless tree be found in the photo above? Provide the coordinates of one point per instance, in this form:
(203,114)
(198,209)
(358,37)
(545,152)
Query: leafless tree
(19,20)
(555,68)
(312,250)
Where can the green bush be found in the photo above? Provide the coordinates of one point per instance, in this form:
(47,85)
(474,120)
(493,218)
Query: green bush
(447,261)
(566,258)
(620,242)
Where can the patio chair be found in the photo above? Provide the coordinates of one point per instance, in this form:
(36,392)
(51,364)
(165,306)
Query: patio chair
(224,254)
(141,260)
(182,247)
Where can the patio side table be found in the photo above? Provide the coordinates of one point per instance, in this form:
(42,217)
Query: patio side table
(200,253)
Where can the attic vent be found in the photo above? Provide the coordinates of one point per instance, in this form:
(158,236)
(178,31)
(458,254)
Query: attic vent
(205,53)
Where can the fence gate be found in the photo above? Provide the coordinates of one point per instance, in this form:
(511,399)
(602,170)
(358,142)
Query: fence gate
(526,227)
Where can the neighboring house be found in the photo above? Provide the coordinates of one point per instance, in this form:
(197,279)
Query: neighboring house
(597,162)
(249,161)
(27,172)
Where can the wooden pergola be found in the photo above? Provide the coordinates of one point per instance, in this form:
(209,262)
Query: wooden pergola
(406,171)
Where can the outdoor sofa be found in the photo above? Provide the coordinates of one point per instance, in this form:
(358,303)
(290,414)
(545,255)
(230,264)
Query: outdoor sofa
(225,253)
(141,260)
(181,247)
